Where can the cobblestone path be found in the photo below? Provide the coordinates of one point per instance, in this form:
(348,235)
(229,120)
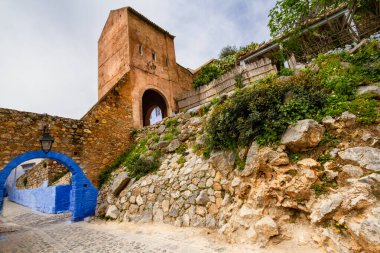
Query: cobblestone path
(24,230)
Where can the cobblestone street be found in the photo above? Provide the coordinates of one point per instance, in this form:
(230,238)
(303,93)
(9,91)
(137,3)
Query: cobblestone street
(24,230)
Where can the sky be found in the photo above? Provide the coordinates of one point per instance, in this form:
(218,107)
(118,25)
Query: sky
(48,49)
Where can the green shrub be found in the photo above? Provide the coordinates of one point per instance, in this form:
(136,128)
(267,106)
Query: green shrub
(181,161)
(227,60)
(142,167)
(171,122)
(206,75)
(324,158)
(181,150)
(133,162)
(319,189)
(239,81)
(286,72)
(263,112)
(105,175)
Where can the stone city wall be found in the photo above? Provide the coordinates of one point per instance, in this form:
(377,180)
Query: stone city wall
(106,126)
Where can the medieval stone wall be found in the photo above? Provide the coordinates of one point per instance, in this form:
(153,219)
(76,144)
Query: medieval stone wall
(20,132)
(93,142)
(108,127)
(47,170)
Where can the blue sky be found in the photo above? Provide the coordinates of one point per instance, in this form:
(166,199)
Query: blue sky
(48,49)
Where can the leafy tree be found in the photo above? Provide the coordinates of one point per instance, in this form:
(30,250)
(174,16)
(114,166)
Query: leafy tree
(287,15)
(227,51)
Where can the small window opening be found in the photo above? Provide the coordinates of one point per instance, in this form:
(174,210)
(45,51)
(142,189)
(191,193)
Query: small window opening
(154,56)
(167,61)
(141,50)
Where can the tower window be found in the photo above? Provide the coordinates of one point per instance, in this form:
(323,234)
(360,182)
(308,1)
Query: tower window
(141,51)
(167,61)
(154,56)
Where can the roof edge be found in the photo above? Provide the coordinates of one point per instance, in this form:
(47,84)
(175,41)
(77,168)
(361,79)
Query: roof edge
(130,9)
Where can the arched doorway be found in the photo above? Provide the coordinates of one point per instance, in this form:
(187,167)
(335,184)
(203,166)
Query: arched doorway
(153,102)
(83,194)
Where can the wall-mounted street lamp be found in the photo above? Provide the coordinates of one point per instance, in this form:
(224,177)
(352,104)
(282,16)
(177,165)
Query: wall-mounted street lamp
(46,140)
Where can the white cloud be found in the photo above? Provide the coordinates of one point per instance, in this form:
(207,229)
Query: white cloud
(48,49)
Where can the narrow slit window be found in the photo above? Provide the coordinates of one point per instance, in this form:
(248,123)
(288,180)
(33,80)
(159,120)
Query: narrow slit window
(141,51)
(167,61)
(154,56)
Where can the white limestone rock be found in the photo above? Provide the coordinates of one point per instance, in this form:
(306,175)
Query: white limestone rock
(325,207)
(112,212)
(366,157)
(302,135)
(373,90)
(119,183)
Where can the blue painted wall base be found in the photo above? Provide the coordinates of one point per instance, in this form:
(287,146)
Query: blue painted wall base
(83,195)
(54,199)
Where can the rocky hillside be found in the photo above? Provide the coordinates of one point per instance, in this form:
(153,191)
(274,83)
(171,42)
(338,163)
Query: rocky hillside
(319,176)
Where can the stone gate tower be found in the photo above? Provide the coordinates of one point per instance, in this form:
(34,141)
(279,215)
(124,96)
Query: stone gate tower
(133,47)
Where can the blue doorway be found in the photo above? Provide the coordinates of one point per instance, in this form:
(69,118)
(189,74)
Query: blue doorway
(83,194)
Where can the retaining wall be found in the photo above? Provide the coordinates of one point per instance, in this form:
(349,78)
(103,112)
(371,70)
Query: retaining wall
(225,84)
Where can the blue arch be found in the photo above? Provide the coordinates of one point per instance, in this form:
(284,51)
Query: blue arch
(83,194)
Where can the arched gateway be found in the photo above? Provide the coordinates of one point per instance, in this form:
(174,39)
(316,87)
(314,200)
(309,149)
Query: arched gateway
(150,101)
(83,194)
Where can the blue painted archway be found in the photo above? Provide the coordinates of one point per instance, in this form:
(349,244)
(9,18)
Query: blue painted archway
(83,194)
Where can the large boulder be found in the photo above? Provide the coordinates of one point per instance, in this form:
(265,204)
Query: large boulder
(263,160)
(326,207)
(302,135)
(366,157)
(367,230)
(119,183)
(223,161)
(358,196)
